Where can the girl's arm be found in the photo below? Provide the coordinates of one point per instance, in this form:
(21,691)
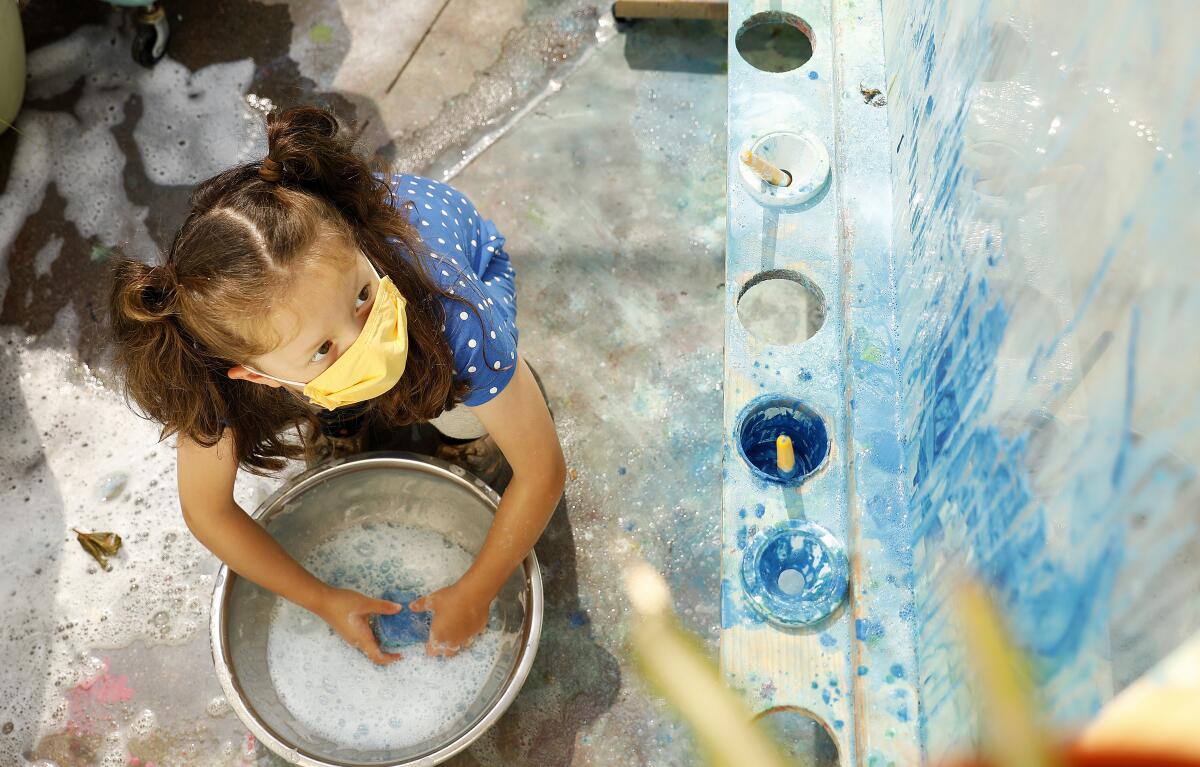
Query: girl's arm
(520,423)
(206,477)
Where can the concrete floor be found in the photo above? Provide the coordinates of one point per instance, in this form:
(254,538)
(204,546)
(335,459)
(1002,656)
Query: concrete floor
(598,152)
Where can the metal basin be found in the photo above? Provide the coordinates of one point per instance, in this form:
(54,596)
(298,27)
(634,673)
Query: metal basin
(375,488)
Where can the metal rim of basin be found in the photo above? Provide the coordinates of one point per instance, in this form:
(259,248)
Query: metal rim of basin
(817,601)
(275,504)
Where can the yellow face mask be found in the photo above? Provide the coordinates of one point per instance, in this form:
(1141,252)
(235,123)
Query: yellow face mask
(373,363)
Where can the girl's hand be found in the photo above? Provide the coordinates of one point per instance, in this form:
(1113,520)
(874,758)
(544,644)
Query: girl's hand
(459,613)
(347,612)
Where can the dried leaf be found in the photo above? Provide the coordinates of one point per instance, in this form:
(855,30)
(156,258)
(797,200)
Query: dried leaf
(100,545)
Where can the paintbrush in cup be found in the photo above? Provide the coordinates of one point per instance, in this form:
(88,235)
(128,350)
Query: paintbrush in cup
(765,170)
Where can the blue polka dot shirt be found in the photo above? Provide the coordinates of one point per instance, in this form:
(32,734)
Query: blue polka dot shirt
(467,260)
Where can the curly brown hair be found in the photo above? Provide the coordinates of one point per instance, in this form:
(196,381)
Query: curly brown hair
(179,327)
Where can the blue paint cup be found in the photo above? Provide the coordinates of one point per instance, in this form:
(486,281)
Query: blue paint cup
(768,417)
(403,628)
(795,574)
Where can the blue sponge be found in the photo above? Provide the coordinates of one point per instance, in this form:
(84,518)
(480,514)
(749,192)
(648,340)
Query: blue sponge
(405,627)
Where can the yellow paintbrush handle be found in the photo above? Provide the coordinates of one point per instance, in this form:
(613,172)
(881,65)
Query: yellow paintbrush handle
(785,454)
(677,666)
(1012,735)
(765,170)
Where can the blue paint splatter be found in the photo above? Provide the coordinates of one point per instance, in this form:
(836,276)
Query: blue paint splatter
(866,629)
(1127,415)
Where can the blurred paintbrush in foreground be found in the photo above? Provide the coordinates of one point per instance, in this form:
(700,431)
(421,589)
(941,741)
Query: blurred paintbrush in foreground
(676,665)
(1151,724)
(1012,735)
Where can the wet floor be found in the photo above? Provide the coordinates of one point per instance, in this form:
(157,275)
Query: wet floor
(597,151)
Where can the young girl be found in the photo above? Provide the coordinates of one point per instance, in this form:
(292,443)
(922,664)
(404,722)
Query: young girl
(305,287)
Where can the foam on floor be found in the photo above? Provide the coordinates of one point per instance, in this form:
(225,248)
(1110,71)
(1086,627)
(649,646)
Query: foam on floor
(333,690)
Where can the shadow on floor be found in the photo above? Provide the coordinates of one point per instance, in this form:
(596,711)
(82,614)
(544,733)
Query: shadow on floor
(573,681)
(676,45)
(203,33)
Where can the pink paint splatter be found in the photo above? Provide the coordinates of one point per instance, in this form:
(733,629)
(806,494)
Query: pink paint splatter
(88,701)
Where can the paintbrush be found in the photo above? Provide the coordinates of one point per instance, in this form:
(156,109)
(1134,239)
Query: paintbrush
(765,170)
(677,666)
(1011,733)
(785,456)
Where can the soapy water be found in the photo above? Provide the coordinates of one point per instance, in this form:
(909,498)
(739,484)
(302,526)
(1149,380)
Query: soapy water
(73,455)
(334,691)
(534,59)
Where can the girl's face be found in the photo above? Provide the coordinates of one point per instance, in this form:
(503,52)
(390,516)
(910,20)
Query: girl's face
(318,318)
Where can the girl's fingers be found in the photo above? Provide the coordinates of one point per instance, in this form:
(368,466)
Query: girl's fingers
(384,607)
(372,652)
(439,648)
(371,649)
(418,605)
(376,656)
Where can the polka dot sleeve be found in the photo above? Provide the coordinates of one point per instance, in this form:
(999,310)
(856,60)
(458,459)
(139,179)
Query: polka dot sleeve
(468,260)
(485,350)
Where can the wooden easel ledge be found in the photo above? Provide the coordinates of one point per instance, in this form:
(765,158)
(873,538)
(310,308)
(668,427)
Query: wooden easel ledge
(670,9)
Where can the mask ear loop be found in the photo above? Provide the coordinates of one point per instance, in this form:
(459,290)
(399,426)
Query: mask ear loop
(273,378)
(378,276)
(291,392)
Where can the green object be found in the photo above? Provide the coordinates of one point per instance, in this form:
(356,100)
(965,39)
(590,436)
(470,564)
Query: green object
(12,63)
(320,33)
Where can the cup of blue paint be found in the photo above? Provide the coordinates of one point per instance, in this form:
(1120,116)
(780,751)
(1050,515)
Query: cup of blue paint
(795,574)
(758,429)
